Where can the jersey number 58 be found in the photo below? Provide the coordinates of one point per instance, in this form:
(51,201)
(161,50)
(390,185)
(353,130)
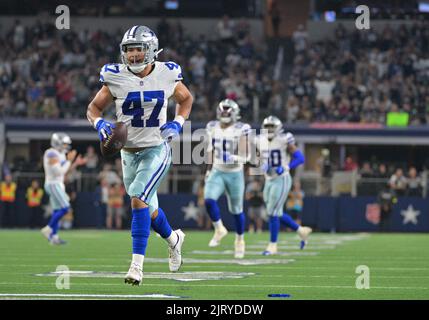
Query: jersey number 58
(132,106)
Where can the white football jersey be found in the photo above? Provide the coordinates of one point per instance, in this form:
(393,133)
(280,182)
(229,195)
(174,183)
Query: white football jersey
(274,152)
(55,173)
(225,141)
(142,102)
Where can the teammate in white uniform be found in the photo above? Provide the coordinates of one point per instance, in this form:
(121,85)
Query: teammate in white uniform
(57,161)
(279,154)
(140,88)
(228,150)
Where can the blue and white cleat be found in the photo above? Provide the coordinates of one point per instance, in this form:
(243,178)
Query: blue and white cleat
(134,275)
(303,233)
(218,236)
(239,249)
(56,241)
(271,249)
(47,232)
(175,253)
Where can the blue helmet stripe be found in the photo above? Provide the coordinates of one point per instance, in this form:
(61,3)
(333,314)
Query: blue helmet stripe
(135,31)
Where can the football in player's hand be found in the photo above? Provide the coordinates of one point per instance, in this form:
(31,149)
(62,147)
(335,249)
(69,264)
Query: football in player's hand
(115,142)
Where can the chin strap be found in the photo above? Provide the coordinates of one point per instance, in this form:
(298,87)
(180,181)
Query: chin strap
(158,52)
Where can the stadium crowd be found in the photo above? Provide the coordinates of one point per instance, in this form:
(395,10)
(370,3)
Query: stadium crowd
(59,78)
(358,76)
(361,76)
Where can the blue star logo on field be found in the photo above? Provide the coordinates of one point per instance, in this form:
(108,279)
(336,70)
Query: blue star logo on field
(410,215)
(191,211)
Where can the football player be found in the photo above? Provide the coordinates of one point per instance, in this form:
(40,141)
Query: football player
(140,87)
(279,154)
(57,162)
(228,150)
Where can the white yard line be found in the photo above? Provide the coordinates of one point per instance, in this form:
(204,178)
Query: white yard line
(211,285)
(72,295)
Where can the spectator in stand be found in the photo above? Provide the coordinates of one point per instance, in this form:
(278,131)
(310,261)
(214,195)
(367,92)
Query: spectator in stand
(92,160)
(274,13)
(382,177)
(398,182)
(415,183)
(115,206)
(197,65)
(34,203)
(299,38)
(367,186)
(366,170)
(225,29)
(109,175)
(350,164)
(255,200)
(7,199)
(295,202)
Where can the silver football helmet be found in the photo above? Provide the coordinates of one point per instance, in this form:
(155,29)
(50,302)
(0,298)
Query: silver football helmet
(273,125)
(228,111)
(61,141)
(139,37)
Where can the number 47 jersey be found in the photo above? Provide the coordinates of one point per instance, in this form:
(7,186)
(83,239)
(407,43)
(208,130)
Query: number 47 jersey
(141,103)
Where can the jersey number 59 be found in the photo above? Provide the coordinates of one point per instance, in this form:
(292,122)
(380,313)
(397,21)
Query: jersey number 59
(132,106)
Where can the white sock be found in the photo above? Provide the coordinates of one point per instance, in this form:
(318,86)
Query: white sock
(218,224)
(273,243)
(239,237)
(172,239)
(299,229)
(138,260)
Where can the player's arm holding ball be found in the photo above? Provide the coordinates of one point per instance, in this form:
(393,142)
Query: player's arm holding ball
(95,111)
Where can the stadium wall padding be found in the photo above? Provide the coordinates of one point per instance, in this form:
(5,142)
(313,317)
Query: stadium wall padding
(326,214)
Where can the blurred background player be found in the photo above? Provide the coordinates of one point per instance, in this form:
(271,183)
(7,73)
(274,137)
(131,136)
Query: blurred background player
(146,156)
(227,152)
(279,155)
(57,162)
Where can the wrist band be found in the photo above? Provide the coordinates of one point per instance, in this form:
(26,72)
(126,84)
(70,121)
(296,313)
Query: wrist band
(180,120)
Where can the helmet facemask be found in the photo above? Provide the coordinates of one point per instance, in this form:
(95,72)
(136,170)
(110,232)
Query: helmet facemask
(61,142)
(225,114)
(228,111)
(145,40)
(138,60)
(271,129)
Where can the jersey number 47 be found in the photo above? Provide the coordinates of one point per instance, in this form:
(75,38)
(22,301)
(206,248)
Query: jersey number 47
(132,106)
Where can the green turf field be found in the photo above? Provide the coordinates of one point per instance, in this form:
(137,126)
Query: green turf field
(398,264)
